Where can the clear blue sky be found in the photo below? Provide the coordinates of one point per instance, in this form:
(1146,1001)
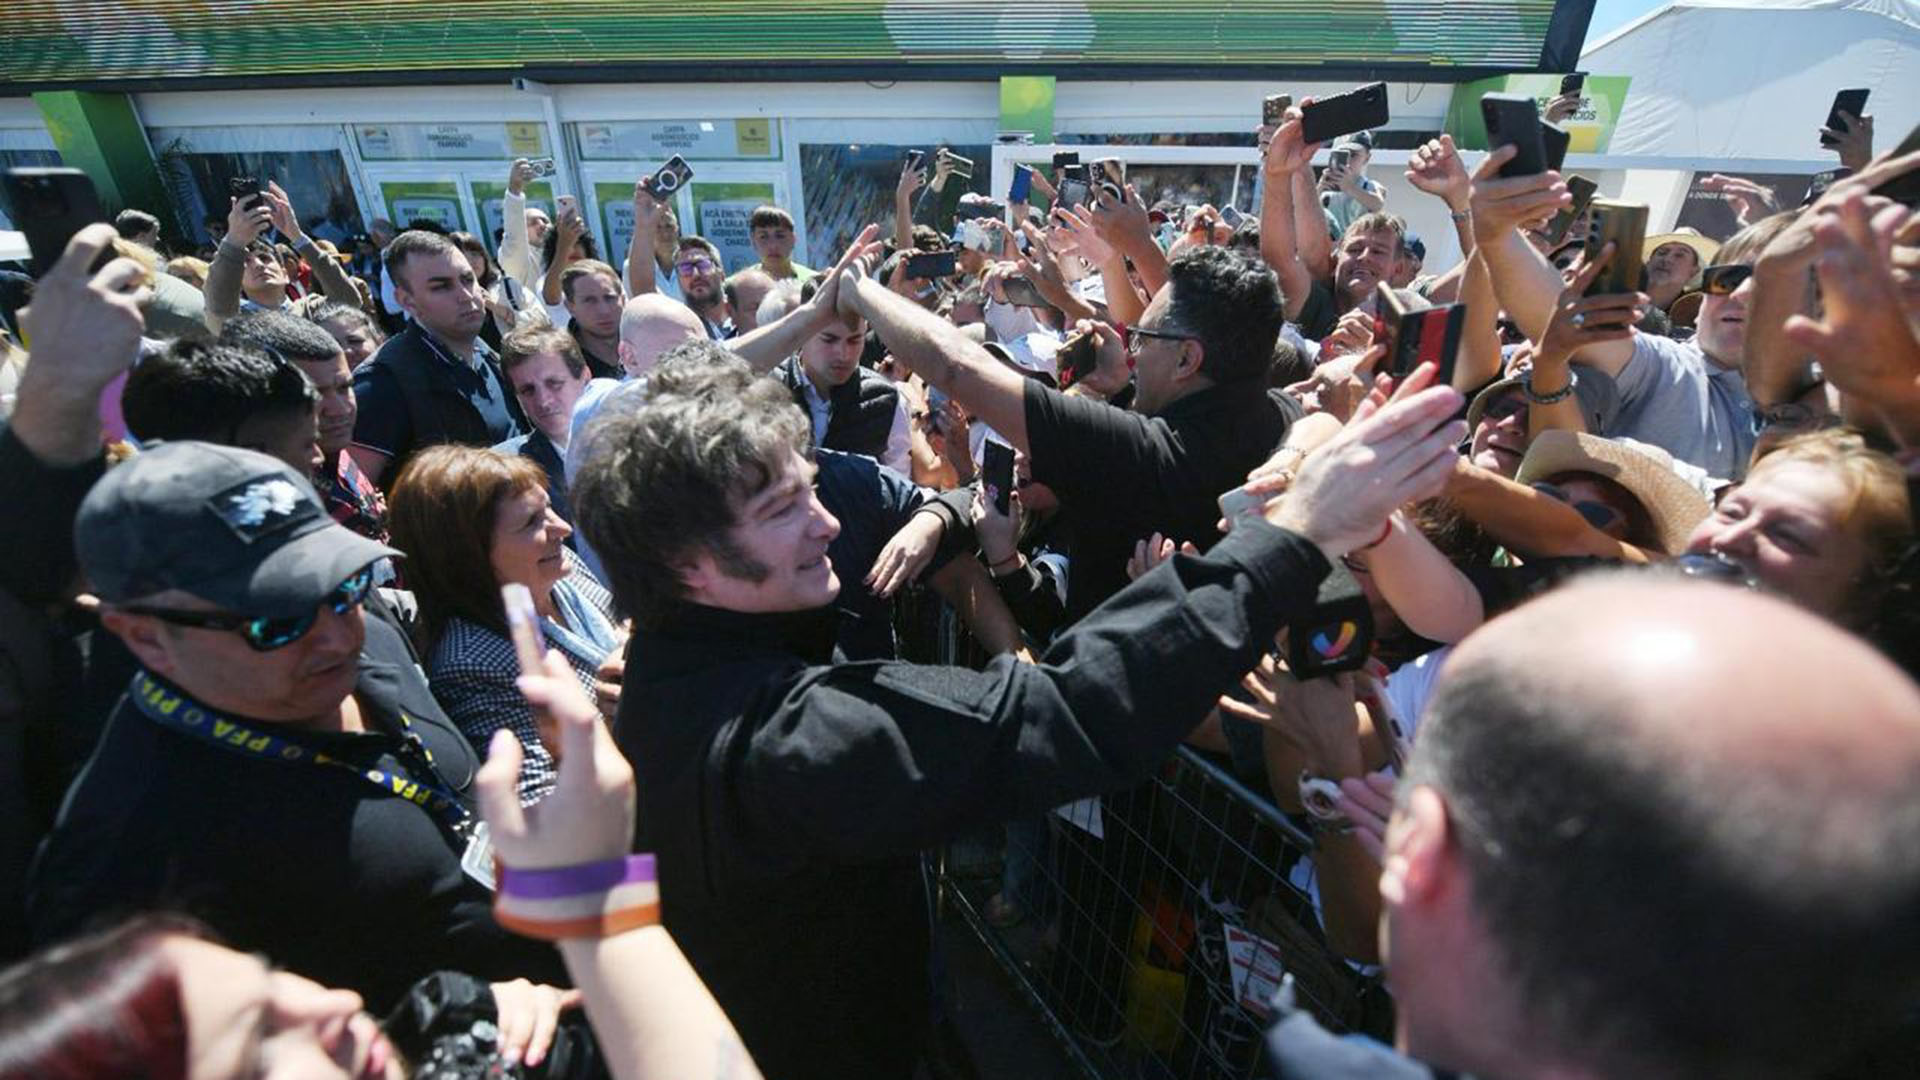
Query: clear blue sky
(1611,15)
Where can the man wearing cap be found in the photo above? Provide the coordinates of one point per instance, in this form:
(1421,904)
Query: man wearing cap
(1674,261)
(1346,193)
(278,766)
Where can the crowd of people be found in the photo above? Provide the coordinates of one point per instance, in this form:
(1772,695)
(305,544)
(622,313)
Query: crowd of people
(1608,758)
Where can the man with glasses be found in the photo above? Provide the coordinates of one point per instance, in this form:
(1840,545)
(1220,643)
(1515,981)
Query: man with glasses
(278,766)
(702,275)
(1202,416)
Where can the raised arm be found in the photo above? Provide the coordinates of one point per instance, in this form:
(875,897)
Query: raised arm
(764,347)
(1432,597)
(230,261)
(571,227)
(1286,158)
(1526,285)
(939,353)
(1531,522)
(911,181)
(334,281)
(1123,224)
(516,254)
(1579,325)
(642,266)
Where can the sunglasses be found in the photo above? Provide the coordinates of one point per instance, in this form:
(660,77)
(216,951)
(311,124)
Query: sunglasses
(1134,338)
(266,635)
(1599,515)
(1504,406)
(1722,280)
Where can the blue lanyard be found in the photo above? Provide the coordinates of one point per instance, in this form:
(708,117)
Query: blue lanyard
(177,712)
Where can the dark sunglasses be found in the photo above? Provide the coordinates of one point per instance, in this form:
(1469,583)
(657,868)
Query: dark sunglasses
(266,635)
(1504,406)
(1598,514)
(1722,280)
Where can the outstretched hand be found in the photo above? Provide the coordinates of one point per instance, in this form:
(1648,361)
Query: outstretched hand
(1389,455)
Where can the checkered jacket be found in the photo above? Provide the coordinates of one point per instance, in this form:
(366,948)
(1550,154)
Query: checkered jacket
(472,670)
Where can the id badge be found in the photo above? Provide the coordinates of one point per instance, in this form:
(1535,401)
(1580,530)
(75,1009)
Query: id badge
(477,861)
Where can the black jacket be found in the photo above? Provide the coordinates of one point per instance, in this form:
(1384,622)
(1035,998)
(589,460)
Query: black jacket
(863,409)
(1122,476)
(788,800)
(310,865)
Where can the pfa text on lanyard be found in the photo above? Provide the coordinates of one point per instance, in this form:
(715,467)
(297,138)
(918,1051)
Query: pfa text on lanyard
(174,711)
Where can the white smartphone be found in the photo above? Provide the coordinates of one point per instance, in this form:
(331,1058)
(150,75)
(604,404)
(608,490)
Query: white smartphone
(1240,503)
(567,204)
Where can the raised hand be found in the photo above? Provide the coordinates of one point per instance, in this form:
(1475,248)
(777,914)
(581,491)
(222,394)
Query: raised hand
(1579,320)
(1855,144)
(280,213)
(1436,169)
(245,224)
(1387,457)
(1501,205)
(1868,337)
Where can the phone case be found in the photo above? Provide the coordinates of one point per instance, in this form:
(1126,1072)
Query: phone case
(1344,114)
(1514,120)
(1625,225)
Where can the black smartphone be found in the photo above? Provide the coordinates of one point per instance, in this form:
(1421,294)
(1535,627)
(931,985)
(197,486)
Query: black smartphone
(914,159)
(1413,338)
(1273,110)
(1852,102)
(1343,114)
(1075,359)
(51,205)
(1074,192)
(1583,191)
(1904,189)
(246,189)
(932,264)
(1624,225)
(1573,83)
(996,472)
(1557,141)
(1021,190)
(1021,293)
(1062,160)
(671,178)
(1514,120)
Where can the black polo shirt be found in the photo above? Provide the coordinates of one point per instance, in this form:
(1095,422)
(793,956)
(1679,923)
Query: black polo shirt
(312,865)
(1121,476)
(416,393)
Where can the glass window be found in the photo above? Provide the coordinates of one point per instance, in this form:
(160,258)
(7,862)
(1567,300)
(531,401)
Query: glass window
(848,186)
(315,180)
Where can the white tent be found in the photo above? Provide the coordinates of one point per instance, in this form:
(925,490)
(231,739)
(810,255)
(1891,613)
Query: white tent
(1750,81)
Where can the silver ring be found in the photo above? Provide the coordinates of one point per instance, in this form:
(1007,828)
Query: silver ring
(1579,320)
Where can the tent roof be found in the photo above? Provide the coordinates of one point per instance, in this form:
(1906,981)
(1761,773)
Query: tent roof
(1753,79)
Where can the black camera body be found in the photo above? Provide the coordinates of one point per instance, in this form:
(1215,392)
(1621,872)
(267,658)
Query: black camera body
(447,1028)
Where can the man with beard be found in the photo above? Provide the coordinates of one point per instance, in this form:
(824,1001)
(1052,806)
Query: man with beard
(698,268)
(435,381)
(1370,251)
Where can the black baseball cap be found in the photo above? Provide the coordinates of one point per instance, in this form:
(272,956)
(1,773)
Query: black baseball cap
(234,527)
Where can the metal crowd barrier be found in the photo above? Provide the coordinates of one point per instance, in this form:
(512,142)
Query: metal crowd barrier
(1156,926)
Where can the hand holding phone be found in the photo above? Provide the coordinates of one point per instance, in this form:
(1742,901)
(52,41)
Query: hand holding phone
(1417,337)
(1514,120)
(996,472)
(671,178)
(1853,103)
(1343,114)
(1273,109)
(51,206)
(1624,225)
(932,265)
(1021,190)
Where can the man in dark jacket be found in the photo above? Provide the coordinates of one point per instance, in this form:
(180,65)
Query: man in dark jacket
(278,766)
(852,408)
(788,798)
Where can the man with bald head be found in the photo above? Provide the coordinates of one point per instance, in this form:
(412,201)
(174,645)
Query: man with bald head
(746,291)
(651,324)
(1651,828)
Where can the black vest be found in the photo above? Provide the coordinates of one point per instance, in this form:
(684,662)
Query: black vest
(862,413)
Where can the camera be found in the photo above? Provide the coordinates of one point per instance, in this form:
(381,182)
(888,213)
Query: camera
(447,1026)
(671,178)
(542,167)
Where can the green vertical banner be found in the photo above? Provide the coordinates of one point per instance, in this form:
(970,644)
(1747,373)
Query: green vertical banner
(1590,127)
(1026,104)
(100,135)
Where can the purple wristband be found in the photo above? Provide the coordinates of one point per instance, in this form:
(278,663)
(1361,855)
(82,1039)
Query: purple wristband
(562,881)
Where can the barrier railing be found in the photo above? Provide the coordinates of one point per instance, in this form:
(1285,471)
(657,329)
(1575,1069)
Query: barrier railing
(1150,928)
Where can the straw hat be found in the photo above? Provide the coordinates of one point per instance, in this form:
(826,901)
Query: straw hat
(1646,472)
(1704,247)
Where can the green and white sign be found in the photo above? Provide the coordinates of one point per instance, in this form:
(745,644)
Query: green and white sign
(434,200)
(1591,126)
